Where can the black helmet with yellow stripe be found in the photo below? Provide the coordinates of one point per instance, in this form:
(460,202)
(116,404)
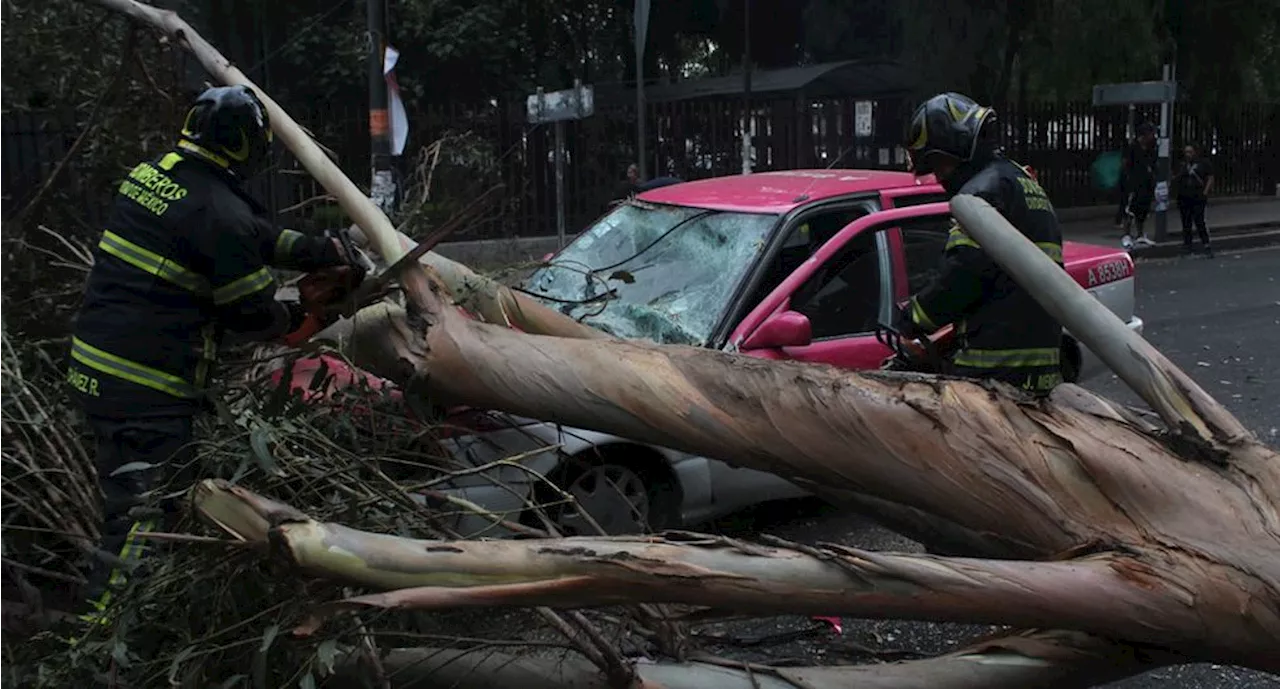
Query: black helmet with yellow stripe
(947,124)
(228,126)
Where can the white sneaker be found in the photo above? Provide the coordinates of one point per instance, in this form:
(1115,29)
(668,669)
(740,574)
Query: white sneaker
(1143,241)
(1126,242)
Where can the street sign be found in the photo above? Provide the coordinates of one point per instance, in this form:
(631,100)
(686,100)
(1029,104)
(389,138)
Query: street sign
(862,120)
(558,106)
(1135,92)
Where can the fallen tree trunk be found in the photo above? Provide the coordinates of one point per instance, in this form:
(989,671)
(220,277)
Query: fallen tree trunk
(487,298)
(1013,475)
(687,567)
(1044,660)
(1106,593)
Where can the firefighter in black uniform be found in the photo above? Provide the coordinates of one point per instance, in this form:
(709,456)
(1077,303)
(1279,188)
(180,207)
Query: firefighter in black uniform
(183,258)
(1004,333)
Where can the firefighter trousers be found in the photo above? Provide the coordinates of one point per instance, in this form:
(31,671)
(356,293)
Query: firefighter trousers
(133,455)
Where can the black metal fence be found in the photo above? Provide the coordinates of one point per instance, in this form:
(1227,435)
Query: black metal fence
(479,146)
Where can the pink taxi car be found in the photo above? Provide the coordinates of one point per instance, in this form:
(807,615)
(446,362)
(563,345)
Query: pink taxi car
(798,265)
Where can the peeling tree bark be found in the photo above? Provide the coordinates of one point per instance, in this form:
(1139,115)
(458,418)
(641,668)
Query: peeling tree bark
(494,302)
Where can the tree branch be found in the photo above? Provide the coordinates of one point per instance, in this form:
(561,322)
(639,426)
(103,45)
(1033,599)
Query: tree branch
(1110,593)
(1179,401)
(1044,660)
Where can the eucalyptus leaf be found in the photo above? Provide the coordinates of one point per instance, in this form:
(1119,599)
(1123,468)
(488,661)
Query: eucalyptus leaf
(259,438)
(132,467)
(327,655)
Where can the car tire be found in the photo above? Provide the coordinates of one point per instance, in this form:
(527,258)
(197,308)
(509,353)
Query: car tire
(621,492)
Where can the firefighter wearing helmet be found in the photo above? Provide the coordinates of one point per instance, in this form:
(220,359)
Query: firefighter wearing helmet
(1004,334)
(183,259)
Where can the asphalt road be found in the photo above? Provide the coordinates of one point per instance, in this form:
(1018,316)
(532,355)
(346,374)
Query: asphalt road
(1218,319)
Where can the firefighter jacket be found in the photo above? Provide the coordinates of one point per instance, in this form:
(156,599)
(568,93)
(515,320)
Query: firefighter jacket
(183,256)
(1005,334)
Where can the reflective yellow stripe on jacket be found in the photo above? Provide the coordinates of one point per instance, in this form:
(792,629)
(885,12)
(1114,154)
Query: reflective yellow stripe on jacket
(284,243)
(131,371)
(1008,358)
(920,317)
(239,288)
(153,263)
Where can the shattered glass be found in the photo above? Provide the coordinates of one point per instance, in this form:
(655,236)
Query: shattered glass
(662,273)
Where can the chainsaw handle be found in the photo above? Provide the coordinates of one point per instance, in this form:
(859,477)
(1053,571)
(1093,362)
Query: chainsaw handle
(311,325)
(916,352)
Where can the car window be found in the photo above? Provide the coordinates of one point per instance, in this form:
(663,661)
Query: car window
(923,241)
(802,241)
(842,297)
(664,273)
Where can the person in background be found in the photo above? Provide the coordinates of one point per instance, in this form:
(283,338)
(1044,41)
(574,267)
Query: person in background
(1140,185)
(1194,182)
(1121,186)
(628,185)
(632,185)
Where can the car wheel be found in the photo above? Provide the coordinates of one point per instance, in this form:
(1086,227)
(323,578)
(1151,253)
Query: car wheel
(617,494)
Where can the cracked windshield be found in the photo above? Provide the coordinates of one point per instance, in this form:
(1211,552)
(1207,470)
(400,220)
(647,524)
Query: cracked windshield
(665,273)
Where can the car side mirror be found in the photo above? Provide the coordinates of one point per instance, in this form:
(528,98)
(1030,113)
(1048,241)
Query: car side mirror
(785,329)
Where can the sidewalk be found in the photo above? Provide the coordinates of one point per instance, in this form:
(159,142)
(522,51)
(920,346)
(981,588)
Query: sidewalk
(1235,225)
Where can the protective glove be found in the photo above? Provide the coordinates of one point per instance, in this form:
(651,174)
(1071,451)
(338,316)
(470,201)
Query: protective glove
(345,250)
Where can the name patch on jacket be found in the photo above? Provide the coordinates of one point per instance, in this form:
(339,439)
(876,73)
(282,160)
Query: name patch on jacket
(83,382)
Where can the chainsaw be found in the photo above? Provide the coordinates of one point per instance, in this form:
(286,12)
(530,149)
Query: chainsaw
(336,291)
(343,290)
(927,354)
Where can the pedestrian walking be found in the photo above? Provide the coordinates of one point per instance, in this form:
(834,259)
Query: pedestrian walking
(1194,183)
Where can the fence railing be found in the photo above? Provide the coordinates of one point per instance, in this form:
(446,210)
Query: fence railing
(488,144)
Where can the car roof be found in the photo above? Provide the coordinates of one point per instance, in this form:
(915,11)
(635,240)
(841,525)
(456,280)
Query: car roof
(779,191)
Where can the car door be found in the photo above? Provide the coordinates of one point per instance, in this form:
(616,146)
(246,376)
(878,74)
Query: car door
(843,292)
